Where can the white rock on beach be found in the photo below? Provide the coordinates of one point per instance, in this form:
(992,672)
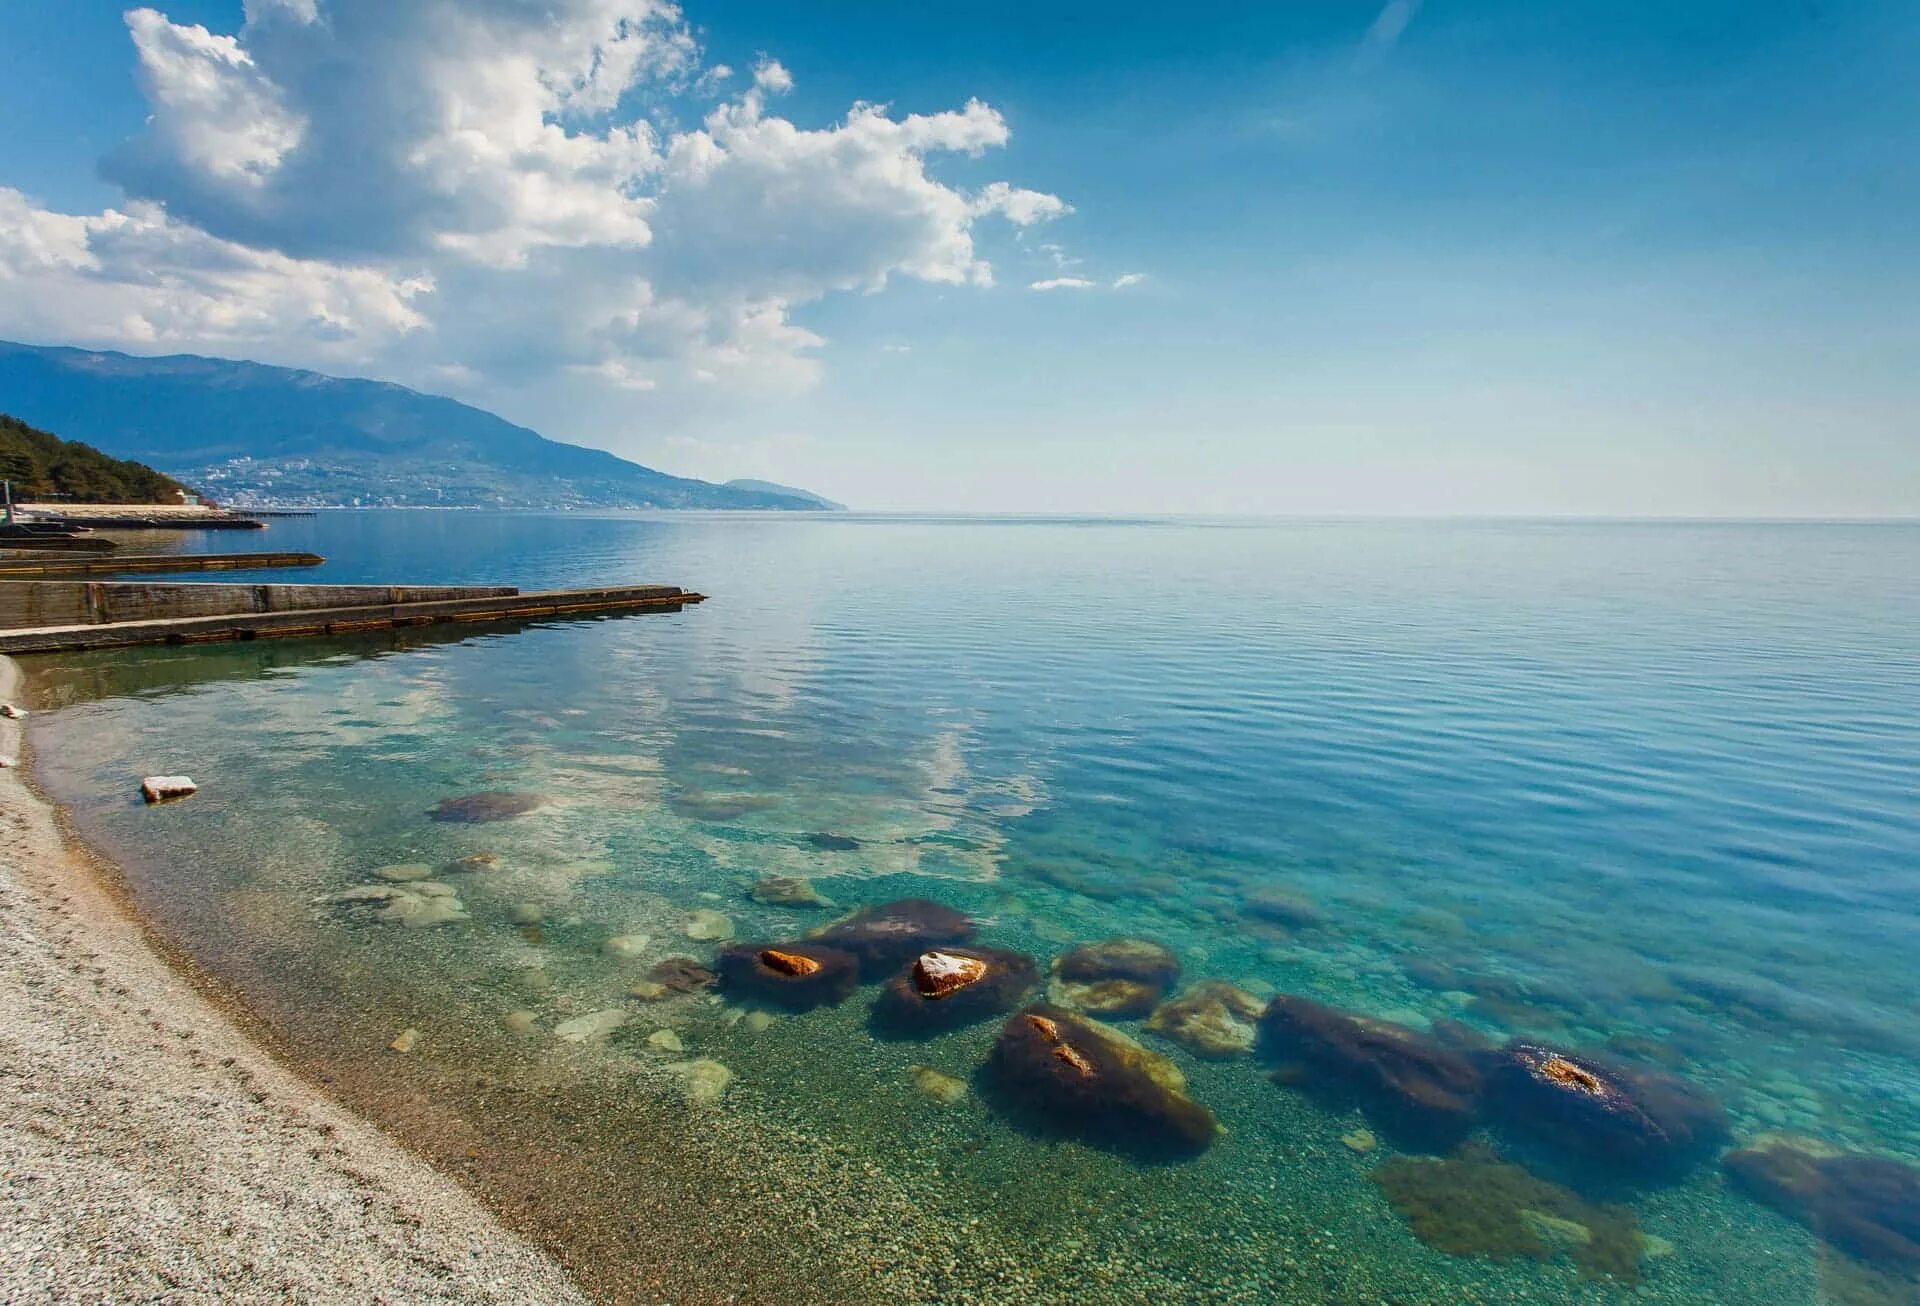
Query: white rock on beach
(160,788)
(10,712)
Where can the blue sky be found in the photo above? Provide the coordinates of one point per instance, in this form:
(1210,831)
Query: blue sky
(1429,258)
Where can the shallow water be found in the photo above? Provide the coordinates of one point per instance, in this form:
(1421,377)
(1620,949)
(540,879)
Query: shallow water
(1633,785)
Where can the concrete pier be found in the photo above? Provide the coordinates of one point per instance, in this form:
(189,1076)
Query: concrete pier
(35,604)
(330,610)
(27,564)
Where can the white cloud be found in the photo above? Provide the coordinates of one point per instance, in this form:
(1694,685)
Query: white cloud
(1020,207)
(452,189)
(1062,283)
(1388,26)
(1126,279)
(138,278)
(771,76)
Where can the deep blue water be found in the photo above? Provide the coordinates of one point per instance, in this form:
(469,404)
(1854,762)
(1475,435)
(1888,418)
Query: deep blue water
(1651,787)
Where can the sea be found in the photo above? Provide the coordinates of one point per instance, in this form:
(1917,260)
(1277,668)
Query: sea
(1642,793)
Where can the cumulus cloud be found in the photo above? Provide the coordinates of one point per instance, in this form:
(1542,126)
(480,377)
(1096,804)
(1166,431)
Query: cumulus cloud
(139,278)
(464,188)
(1062,283)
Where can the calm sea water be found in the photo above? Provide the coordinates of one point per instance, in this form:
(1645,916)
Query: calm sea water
(1638,787)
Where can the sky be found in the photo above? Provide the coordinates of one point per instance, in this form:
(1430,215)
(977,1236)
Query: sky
(1320,257)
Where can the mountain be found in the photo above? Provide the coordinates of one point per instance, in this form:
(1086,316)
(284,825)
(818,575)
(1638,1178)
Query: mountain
(769,487)
(41,466)
(250,434)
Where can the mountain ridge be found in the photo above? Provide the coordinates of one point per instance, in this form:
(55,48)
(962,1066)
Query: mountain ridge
(255,433)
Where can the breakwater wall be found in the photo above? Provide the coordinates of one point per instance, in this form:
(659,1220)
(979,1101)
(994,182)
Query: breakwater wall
(35,604)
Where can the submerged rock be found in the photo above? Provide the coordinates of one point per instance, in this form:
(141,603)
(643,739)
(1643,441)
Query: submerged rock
(1116,977)
(1283,907)
(788,891)
(703,1081)
(666,1040)
(834,843)
(1213,1019)
(710,805)
(1474,1204)
(590,1027)
(472,862)
(625,946)
(1360,1141)
(166,788)
(894,933)
(647,990)
(797,976)
(937,1086)
(1868,1206)
(405,1040)
(474,809)
(707,925)
(1087,1079)
(1636,1119)
(525,913)
(1408,1084)
(946,988)
(414,906)
(681,975)
(520,1022)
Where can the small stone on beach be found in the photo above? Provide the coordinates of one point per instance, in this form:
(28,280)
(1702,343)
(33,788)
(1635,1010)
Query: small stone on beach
(404,1040)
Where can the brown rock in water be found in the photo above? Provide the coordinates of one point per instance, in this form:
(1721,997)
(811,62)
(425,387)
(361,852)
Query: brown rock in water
(1410,1086)
(472,862)
(796,976)
(475,809)
(1868,1206)
(1116,977)
(951,987)
(1212,1019)
(681,975)
(1080,1077)
(894,933)
(1642,1121)
(1474,1204)
(939,975)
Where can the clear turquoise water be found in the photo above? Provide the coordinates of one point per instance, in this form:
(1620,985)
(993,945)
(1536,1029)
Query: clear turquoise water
(1645,783)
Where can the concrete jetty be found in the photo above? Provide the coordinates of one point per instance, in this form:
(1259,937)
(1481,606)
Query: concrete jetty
(25,563)
(69,616)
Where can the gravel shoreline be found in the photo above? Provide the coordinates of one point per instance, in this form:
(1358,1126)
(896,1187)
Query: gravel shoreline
(150,1150)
